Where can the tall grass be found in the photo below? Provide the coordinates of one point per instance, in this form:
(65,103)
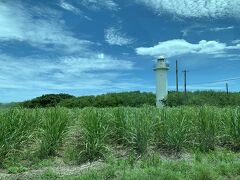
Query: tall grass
(132,127)
(141,129)
(93,133)
(234,128)
(96,131)
(16,129)
(52,130)
(206,129)
(120,118)
(173,130)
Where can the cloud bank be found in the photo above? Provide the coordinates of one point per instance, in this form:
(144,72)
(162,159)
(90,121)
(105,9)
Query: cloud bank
(177,47)
(54,59)
(48,33)
(69,72)
(196,8)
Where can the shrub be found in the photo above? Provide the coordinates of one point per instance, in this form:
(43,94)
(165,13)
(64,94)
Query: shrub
(49,100)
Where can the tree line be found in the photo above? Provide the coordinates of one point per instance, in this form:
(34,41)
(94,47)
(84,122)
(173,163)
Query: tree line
(131,99)
(135,99)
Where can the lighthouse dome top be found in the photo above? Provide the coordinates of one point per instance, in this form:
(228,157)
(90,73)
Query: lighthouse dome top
(161,64)
(161,58)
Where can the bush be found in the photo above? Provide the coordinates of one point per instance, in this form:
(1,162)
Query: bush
(135,99)
(132,99)
(49,100)
(201,98)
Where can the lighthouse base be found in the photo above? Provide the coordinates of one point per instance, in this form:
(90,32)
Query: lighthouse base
(159,103)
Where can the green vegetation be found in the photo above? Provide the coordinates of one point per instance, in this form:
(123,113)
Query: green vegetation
(200,98)
(130,135)
(210,166)
(16,131)
(93,132)
(195,166)
(134,99)
(52,130)
(49,100)
(8,105)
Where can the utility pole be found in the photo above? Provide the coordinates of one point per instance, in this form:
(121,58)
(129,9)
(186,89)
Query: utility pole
(177,76)
(227,90)
(185,82)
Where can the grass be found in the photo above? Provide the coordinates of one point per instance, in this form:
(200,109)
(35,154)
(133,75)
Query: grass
(173,130)
(234,129)
(212,165)
(16,131)
(89,134)
(94,131)
(52,129)
(207,166)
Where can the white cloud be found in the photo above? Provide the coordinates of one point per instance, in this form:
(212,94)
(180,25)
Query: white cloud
(185,32)
(237,41)
(180,47)
(196,8)
(216,29)
(63,73)
(95,63)
(39,32)
(198,29)
(114,37)
(195,28)
(77,68)
(69,7)
(99,4)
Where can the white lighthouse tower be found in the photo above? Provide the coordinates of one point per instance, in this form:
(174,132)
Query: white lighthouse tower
(161,70)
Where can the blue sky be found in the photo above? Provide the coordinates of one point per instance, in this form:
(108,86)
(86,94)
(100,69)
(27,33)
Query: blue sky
(84,47)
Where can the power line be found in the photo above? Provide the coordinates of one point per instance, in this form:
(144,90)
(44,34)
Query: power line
(217,81)
(202,83)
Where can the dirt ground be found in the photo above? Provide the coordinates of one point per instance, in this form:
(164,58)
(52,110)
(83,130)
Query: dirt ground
(60,171)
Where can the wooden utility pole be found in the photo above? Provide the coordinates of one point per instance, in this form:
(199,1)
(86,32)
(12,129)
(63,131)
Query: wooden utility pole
(227,90)
(177,76)
(185,81)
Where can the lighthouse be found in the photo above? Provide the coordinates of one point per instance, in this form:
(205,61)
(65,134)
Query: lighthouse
(161,70)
